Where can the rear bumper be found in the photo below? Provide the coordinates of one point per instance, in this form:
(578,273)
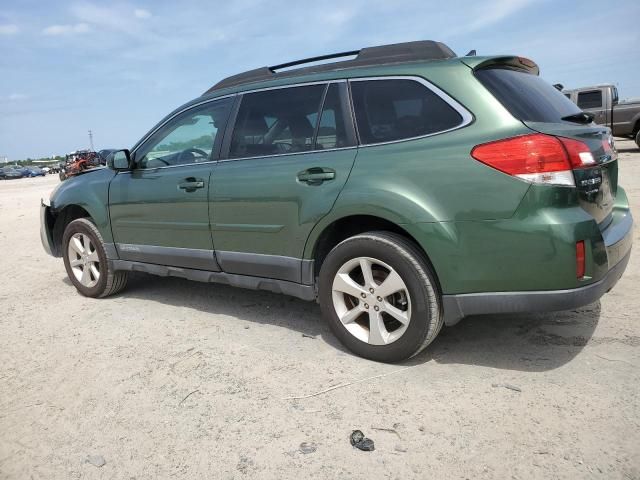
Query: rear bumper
(618,247)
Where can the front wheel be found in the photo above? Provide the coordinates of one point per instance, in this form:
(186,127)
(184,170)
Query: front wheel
(638,138)
(86,261)
(380,297)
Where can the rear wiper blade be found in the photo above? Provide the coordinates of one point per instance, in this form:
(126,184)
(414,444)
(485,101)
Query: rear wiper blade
(582,117)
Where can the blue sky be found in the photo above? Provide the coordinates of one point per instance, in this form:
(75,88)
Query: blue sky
(117,68)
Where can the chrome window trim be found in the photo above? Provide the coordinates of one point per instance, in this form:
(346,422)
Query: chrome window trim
(293,85)
(153,169)
(466,115)
(467,118)
(223,160)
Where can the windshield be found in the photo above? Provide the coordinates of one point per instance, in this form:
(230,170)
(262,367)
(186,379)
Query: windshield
(527,97)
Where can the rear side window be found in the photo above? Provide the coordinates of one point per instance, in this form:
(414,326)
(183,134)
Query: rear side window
(277,121)
(591,99)
(395,109)
(527,97)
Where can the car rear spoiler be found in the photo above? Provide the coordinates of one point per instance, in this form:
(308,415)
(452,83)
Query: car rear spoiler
(510,61)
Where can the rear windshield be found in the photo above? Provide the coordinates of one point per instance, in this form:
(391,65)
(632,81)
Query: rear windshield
(528,97)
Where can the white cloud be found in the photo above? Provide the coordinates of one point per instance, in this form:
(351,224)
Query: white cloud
(77,28)
(16,96)
(113,18)
(338,16)
(9,29)
(141,13)
(495,11)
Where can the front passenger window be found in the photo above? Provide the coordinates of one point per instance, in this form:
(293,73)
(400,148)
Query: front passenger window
(191,137)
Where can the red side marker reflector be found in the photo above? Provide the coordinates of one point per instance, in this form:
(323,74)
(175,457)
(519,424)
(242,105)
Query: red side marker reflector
(580,259)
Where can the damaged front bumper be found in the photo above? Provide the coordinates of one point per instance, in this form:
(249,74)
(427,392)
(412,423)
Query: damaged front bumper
(46,228)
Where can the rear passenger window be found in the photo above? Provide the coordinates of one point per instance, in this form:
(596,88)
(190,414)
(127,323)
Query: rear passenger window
(388,110)
(276,121)
(591,99)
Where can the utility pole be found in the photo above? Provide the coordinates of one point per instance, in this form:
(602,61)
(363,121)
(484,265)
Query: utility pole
(91,140)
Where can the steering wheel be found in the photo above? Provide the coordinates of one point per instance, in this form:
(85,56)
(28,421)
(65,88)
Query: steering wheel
(196,151)
(284,147)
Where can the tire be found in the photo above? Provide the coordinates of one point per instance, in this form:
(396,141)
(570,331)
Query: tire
(415,304)
(86,263)
(638,138)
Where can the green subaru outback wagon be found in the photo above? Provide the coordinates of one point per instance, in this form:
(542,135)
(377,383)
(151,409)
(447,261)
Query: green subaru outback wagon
(401,186)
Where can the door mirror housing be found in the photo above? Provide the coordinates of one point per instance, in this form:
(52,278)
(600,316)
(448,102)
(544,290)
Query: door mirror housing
(119,160)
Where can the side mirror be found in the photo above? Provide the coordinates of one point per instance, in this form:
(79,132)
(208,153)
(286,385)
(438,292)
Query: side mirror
(119,160)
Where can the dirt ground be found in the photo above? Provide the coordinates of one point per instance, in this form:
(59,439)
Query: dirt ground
(180,379)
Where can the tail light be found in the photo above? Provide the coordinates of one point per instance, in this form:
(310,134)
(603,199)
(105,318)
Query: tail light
(536,158)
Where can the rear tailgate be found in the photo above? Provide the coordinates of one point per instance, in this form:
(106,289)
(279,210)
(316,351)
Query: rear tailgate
(543,108)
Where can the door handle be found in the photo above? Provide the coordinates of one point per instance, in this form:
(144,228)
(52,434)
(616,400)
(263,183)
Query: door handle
(191,184)
(316,175)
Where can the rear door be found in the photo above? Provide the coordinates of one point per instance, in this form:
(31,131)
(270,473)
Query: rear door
(160,209)
(544,109)
(288,157)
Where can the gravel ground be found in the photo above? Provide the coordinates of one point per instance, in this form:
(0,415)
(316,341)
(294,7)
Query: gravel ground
(179,379)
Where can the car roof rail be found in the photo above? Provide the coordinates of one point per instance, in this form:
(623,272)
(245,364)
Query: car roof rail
(422,50)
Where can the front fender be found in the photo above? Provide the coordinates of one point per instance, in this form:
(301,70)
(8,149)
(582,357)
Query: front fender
(89,191)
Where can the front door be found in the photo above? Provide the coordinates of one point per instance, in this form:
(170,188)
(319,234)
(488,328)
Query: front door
(284,170)
(160,209)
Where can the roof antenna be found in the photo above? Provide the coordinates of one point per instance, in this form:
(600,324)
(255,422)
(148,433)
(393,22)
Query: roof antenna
(471,53)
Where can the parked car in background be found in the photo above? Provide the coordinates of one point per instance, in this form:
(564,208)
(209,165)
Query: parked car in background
(601,101)
(34,172)
(9,173)
(404,189)
(24,171)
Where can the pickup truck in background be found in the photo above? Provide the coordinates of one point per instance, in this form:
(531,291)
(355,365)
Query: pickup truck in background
(602,102)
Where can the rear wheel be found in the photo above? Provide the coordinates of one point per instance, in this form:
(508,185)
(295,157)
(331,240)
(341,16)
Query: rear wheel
(638,138)
(86,261)
(380,297)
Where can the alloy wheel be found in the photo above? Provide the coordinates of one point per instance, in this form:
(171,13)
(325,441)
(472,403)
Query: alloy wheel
(84,260)
(371,301)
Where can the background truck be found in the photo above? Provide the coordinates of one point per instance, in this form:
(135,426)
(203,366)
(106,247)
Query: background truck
(602,102)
